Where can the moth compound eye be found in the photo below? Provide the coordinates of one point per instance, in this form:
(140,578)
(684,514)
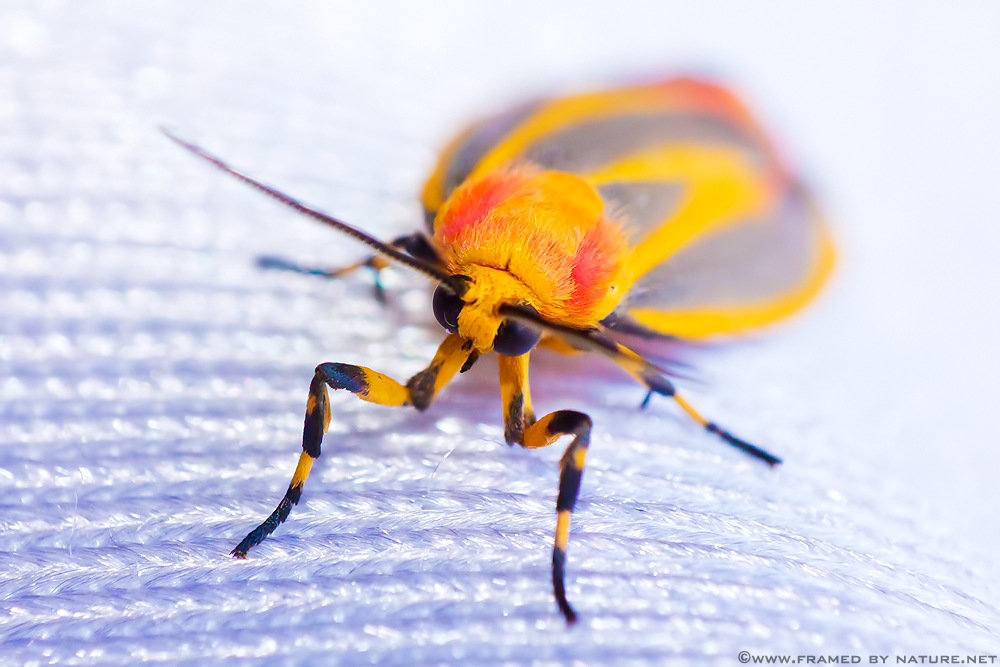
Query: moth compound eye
(514,339)
(446,308)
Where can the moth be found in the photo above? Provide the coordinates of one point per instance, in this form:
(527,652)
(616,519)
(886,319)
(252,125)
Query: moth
(657,211)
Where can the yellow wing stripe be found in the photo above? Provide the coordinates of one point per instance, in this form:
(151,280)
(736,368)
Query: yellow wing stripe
(721,320)
(723,188)
(567,112)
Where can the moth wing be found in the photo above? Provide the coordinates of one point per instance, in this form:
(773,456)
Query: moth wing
(741,276)
(581,133)
(723,239)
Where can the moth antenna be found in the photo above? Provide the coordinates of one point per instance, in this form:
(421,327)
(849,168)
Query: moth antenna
(645,371)
(456,285)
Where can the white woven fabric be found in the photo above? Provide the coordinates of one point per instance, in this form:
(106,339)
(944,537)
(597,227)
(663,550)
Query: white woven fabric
(153,380)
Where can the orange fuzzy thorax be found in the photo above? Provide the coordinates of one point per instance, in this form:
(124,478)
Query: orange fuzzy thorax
(548,230)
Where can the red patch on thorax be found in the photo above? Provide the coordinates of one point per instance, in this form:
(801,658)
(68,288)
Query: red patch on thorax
(473,204)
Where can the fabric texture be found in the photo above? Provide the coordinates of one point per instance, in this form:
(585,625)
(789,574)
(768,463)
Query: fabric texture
(153,379)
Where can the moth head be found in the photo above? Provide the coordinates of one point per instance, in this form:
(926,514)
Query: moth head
(473,311)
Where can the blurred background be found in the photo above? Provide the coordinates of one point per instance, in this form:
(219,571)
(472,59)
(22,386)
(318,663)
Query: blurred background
(153,380)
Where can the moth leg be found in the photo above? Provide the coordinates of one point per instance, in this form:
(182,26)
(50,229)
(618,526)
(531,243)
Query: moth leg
(454,354)
(375,263)
(516,396)
(727,437)
(281,264)
(642,370)
(656,383)
(416,245)
(520,427)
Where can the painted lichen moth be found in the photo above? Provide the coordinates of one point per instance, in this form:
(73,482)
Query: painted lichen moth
(655,211)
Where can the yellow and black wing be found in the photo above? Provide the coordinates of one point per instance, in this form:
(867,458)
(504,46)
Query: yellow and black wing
(723,238)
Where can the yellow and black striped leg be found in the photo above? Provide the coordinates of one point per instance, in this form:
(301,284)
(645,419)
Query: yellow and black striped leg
(416,245)
(516,396)
(454,355)
(645,372)
(540,434)
(520,427)
(375,263)
(739,443)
